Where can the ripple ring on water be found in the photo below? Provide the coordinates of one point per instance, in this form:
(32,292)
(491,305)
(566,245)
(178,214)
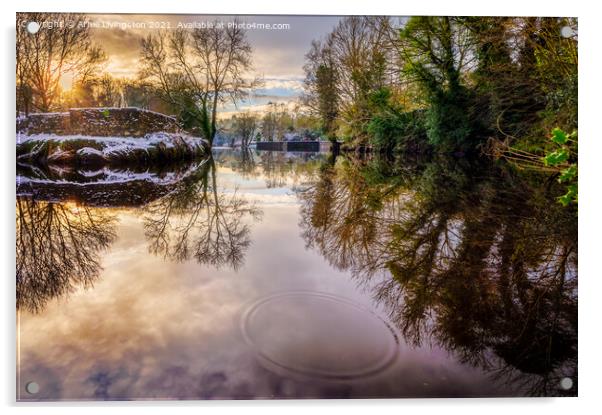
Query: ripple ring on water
(318,335)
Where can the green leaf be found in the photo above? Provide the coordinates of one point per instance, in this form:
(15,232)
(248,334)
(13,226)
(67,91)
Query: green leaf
(558,136)
(106,113)
(572,189)
(556,157)
(565,200)
(568,174)
(570,196)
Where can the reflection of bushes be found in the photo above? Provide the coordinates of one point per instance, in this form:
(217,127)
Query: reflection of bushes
(477,260)
(58,249)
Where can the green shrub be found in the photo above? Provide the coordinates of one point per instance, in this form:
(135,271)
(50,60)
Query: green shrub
(392,130)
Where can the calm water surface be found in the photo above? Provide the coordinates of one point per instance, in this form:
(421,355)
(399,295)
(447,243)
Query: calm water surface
(279,275)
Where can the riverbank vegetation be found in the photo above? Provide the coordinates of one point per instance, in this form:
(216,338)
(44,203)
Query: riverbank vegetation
(497,85)
(457,80)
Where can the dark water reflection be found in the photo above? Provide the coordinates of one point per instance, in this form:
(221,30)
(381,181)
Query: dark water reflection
(471,257)
(133,285)
(58,249)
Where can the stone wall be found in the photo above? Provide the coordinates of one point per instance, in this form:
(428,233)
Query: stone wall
(105,122)
(55,122)
(310,146)
(271,146)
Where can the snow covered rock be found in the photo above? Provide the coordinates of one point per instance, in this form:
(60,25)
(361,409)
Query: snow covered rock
(79,150)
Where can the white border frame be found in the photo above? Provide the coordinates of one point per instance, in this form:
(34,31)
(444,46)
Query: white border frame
(589,210)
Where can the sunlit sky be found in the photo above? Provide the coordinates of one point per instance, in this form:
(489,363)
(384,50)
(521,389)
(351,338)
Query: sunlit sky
(278,55)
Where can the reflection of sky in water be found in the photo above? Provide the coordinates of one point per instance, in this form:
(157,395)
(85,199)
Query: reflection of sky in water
(254,188)
(155,329)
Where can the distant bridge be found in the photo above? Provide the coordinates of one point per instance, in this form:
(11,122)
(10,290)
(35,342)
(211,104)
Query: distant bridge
(309,146)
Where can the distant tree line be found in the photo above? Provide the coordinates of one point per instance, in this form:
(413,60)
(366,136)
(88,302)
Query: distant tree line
(277,122)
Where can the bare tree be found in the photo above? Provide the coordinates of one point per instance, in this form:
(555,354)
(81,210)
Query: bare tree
(276,121)
(23,92)
(268,126)
(357,58)
(110,93)
(198,70)
(321,95)
(245,125)
(57,49)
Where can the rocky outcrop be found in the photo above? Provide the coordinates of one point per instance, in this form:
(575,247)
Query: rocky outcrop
(105,136)
(80,150)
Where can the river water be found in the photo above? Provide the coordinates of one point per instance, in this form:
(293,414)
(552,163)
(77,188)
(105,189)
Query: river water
(281,275)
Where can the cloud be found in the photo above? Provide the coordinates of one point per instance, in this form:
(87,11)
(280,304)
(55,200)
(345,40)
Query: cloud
(277,54)
(281,86)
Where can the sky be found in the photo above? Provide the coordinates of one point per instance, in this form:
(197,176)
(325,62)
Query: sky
(278,54)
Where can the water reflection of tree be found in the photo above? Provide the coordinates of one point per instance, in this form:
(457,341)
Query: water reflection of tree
(197,221)
(248,165)
(281,168)
(58,247)
(478,260)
